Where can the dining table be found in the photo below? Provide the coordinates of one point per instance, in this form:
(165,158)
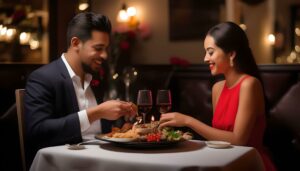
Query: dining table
(183,156)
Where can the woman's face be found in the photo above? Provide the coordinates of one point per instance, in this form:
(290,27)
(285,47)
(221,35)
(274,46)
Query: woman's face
(218,60)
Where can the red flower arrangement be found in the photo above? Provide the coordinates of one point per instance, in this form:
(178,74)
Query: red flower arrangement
(177,61)
(123,40)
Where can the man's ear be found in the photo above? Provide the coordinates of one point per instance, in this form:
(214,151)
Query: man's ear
(75,43)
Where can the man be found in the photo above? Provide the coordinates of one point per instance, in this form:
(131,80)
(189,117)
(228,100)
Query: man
(60,105)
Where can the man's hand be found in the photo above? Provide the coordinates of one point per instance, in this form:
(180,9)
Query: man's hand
(111,110)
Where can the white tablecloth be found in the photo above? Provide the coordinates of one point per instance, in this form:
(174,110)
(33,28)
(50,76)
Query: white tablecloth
(190,155)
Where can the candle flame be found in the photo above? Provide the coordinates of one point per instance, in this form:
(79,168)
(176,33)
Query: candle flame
(152,118)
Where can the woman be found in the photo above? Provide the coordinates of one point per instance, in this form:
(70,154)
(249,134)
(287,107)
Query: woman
(238,101)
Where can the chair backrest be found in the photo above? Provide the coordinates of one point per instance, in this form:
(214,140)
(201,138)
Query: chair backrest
(21,123)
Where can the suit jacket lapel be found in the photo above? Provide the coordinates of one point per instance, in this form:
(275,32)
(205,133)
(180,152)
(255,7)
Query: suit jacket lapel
(69,84)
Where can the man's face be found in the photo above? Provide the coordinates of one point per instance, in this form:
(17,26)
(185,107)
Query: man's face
(93,52)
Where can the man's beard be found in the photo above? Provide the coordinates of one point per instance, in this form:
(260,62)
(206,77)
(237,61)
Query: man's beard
(87,69)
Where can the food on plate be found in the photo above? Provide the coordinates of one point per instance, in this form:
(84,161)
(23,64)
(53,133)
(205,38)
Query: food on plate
(144,129)
(127,126)
(149,132)
(128,134)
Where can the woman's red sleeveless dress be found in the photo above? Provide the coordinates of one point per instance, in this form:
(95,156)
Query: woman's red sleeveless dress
(224,118)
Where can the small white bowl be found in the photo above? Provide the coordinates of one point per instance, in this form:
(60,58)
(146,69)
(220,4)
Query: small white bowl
(218,144)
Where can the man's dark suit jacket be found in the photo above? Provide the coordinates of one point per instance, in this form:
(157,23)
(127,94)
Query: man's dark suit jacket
(51,108)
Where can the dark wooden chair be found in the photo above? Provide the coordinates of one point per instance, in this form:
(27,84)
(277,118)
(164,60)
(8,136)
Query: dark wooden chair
(20,113)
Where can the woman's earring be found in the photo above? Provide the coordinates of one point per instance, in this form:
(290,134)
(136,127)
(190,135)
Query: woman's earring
(231,63)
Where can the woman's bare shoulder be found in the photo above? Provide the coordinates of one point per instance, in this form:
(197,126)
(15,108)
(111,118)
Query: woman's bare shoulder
(251,87)
(250,83)
(218,85)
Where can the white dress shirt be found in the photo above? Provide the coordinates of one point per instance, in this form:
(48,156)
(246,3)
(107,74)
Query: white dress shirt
(85,99)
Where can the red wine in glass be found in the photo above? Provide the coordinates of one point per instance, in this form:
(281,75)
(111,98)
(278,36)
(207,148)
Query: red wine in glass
(144,108)
(164,101)
(164,107)
(144,103)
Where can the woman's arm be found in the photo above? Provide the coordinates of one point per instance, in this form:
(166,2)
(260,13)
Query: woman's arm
(251,104)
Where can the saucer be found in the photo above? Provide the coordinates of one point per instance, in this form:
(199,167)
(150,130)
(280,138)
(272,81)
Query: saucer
(217,144)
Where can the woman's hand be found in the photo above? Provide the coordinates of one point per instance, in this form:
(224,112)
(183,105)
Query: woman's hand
(173,119)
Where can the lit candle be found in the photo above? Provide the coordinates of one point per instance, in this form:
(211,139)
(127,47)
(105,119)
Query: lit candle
(152,119)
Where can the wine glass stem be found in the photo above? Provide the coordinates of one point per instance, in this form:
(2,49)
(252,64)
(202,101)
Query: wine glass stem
(144,117)
(127,92)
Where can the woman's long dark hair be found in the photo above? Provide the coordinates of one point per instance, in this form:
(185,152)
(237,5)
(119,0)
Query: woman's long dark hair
(230,37)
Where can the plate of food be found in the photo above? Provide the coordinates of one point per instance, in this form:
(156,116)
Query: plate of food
(144,136)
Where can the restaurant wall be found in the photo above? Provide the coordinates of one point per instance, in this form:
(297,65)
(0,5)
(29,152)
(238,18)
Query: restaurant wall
(259,21)
(158,48)
(283,19)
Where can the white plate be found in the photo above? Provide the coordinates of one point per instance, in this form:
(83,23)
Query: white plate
(117,139)
(122,139)
(218,144)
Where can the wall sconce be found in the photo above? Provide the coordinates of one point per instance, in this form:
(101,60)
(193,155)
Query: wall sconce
(242,23)
(122,15)
(128,15)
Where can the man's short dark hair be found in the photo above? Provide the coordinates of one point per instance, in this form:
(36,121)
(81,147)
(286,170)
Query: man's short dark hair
(83,24)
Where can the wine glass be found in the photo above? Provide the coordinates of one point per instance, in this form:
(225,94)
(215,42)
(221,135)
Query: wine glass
(144,103)
(164,101)
(129,76)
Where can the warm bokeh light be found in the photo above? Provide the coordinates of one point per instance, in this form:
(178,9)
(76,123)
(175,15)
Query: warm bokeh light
(271,39)
(3,30)
(243,26)
(297,48)
(122,16)
(115,76)
(34,44)
(293,55)
(83,6)
(24,38)
(131,11)
(10,34)
(297,31)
